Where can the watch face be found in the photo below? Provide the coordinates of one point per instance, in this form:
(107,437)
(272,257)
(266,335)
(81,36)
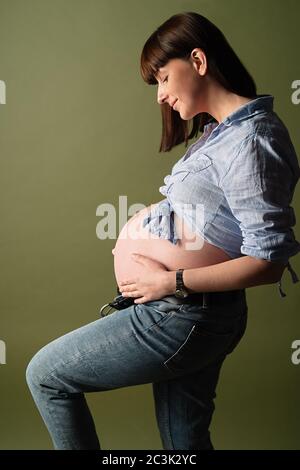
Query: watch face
(178,293)
(181,294)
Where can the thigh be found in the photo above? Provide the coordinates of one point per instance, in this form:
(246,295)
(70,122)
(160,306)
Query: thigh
(124,348)
(144,343)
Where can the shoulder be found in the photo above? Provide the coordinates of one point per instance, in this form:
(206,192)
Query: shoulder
(265,139)
(266,156)
(271,150)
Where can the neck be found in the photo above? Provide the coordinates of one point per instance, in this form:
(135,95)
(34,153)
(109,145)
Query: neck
(221,103)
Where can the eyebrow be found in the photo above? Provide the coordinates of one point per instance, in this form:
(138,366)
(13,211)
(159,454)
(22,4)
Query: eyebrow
(161,70)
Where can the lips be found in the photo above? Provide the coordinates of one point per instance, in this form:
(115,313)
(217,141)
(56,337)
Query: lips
(174,104)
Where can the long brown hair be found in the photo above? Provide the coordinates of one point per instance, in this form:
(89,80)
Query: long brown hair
(176,38)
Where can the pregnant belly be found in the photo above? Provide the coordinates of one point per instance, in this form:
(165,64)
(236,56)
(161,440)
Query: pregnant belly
(191,251)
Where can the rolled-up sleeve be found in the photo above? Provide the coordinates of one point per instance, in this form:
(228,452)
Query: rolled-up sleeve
(259,186)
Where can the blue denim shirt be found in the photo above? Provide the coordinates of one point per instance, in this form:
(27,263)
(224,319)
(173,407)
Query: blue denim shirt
(242,173)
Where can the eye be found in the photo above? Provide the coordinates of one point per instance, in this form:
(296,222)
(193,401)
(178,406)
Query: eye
(166,79)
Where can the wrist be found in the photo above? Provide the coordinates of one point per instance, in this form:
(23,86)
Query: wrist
(170,282)
(184,279)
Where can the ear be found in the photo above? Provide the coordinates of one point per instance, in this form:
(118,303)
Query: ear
(199,61)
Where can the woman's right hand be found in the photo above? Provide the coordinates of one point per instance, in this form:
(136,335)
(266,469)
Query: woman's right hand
(113,251)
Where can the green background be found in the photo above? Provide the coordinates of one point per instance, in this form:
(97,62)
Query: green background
(81,128)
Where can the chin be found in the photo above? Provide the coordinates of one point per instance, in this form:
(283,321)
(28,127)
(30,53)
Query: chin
(185,116)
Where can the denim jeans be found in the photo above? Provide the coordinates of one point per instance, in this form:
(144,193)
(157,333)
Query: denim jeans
(179,348)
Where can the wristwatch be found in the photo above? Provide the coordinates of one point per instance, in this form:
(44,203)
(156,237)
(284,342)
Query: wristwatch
(181,291)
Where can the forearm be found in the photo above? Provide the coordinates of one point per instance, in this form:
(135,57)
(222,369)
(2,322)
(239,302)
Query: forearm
(238,273)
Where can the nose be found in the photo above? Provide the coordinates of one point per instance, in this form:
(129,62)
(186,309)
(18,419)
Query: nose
(161,96)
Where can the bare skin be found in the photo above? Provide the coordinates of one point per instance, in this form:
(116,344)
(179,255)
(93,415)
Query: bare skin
(190,251)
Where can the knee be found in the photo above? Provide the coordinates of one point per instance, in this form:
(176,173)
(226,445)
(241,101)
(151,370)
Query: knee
(38,368)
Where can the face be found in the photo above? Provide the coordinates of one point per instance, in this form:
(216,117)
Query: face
(182,84)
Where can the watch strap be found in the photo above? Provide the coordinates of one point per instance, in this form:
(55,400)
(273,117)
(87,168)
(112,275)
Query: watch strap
(179,279)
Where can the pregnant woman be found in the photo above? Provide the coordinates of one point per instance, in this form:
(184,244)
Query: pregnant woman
(223,225)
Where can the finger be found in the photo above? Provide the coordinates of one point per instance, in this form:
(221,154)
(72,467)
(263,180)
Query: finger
(134,293)
(141,300)
(128,288)
(127,282)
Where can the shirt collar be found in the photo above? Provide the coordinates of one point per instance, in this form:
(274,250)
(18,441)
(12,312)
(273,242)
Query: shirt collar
(258,105)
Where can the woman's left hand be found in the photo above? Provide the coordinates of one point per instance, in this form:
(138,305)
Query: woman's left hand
(154,283)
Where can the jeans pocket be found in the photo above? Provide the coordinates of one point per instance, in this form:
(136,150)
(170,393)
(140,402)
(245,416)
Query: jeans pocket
(200,348)
(155,313)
